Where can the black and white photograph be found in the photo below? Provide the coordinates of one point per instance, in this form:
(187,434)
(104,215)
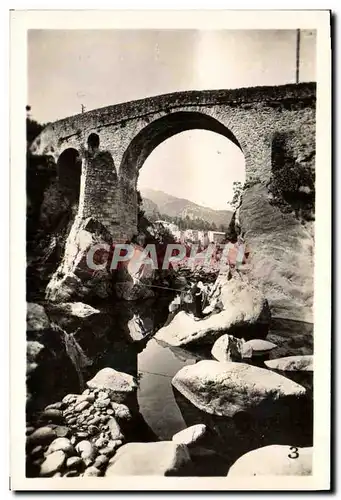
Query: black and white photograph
(174,201)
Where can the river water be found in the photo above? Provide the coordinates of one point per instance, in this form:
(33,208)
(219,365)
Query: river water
(122,337)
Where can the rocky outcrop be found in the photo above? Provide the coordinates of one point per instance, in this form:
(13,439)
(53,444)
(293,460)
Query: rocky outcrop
(119,385)
(36,318)
(134,278)
(246,314)
(74,278)
(226,389)
(281,260)
(163,458)
(274,460)
(292,363)
(46,354)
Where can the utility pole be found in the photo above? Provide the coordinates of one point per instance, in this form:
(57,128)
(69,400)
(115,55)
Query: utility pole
(83,108)
(298,42)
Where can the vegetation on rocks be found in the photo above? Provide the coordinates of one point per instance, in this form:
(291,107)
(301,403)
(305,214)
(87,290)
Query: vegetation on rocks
(292,184)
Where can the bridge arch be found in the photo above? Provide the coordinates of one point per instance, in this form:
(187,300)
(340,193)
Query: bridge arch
(151,136)
(93,142)
(163,128)
(69,171)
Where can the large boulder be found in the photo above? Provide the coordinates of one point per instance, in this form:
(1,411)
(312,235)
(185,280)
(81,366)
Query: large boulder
(74,278)
(36,318)
(274,460)
(281,260)
(163,458)
(292,363)
(229,348)
(53,354)
(226,389)
(119,385)
(246,314)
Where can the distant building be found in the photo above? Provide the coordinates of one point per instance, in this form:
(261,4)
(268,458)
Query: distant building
(203,238)
(216,236)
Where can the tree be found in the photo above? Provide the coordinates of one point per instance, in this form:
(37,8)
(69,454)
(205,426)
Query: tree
(237,192)
(33,128)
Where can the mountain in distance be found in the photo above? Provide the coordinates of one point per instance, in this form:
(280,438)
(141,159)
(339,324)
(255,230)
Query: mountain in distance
(156,203)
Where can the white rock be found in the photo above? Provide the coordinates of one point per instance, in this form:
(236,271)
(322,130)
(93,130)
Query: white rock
(70,398)
(274,460)
(259,347)
(244,307)
(74,462)
(86,451)
(227,348)
(162,458)
(52,463)
(82,406)
(227,388)
(292,363)
(114,429)
(118,384)
(80,309)
(190,435)
(91,472)
(62,444)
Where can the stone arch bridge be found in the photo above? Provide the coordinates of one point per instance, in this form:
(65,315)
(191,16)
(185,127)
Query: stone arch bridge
(110,145)
(113,142)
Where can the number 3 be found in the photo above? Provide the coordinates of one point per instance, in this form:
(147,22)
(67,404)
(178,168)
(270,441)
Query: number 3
(294,452)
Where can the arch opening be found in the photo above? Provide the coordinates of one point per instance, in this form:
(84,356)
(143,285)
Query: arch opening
(192,181)
(206,205)
(93,142)
(163,128)
(69,171)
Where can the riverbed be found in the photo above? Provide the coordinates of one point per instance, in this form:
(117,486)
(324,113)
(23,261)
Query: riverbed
(122,337)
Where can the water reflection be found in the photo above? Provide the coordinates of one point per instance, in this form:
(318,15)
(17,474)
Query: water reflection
(83,346)
(166,411)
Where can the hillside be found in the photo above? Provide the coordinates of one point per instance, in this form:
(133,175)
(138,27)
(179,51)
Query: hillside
(159,202)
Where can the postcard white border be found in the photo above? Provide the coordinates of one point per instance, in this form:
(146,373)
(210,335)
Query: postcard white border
(21,21)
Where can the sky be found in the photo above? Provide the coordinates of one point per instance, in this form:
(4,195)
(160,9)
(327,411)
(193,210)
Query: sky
(96,68)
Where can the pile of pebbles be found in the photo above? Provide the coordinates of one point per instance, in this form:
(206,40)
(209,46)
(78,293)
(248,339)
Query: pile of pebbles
(77,436)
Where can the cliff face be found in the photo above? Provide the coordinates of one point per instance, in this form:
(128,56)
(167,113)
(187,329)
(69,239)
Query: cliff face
(277,219)
(281,255)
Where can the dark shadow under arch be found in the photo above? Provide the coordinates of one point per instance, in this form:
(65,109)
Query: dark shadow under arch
(163,128)
(69,171)
(93,142)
